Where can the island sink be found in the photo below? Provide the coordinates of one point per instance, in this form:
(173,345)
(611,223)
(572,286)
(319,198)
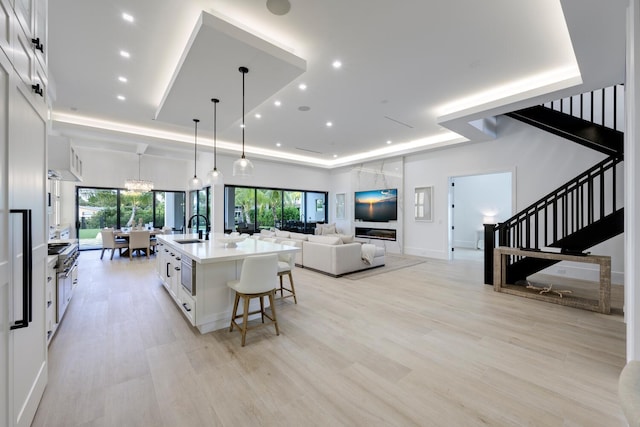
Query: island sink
(185,241)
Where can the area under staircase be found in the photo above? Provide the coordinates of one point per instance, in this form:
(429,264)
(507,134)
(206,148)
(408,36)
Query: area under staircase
(583,212)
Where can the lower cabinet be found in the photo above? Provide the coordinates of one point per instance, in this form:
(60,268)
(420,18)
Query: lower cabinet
(169,264)
(188,305)
(51,300)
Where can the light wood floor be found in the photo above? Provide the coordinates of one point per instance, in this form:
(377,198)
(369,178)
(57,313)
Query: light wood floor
(428,345)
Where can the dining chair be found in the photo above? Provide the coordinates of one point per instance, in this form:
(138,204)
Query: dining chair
(286,264)
(257,280)
(139,240)
(109,241)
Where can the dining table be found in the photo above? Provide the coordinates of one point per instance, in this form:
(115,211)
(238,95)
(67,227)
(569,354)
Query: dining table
(125,233)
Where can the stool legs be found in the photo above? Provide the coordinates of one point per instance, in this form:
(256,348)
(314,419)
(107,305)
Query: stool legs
(282,288)
(246,298)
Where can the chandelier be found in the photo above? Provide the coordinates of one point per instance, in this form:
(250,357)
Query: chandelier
(138,185)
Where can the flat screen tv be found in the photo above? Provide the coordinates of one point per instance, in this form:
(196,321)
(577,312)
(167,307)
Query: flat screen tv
(376,205)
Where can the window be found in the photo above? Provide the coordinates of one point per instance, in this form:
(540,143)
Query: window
(423,204)
(97,208)
(248,210)
(200,205)
(340,206)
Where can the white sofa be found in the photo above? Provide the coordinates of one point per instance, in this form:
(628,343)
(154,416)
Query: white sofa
(329,255)
(279,236)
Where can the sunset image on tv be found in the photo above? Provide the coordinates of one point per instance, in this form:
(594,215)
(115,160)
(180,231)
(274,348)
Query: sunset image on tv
(376,205)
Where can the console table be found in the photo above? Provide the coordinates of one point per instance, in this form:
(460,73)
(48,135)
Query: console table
(602,305)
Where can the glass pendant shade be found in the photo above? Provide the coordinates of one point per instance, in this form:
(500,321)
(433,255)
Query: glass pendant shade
(243,166)
(195,183)
(214,177)
(138,185)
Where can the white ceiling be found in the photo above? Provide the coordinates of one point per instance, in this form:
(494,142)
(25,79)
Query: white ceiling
(410,68)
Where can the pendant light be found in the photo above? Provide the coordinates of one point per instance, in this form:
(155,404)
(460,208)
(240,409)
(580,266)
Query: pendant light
(243,166)
(138,185)
(195,183)
(214,177)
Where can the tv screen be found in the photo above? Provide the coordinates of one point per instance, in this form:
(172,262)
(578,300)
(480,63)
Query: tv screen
(376,205)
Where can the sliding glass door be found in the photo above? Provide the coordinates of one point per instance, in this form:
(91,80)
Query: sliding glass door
(249,209)
(97,208)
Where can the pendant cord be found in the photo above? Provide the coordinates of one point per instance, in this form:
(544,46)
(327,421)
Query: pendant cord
(243,70)
(242,115)
(195,148)
(215,121)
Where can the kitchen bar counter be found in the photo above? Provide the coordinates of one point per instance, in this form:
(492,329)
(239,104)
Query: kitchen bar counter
(209,303)
(207,251)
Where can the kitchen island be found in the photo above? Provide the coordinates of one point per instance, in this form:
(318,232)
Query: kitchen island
(195,272)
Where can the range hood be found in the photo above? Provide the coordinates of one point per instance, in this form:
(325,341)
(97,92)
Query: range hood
(64,163)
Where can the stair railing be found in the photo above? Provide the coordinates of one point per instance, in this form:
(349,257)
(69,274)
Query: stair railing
(584,200)
(602,106)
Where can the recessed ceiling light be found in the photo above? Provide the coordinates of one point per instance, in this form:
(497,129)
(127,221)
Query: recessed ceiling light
(389,142)
(125,54)
(122,79)
(302,86)
(127,17)
(335,155)
(278,144)
(121,97)
(329,124)
(277,103)
(337,64)
(258,115)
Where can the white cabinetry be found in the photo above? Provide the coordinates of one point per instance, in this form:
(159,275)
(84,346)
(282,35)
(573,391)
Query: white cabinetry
(23,351)
(169,269)
(51,299)
(64,161)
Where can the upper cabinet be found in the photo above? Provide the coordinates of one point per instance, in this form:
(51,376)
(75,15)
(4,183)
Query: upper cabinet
(64,161)
(32,18)
(23,39)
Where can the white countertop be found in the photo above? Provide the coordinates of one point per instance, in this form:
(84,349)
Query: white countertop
(209,251)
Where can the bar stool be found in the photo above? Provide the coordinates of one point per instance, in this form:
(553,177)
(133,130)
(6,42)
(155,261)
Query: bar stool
(257,280)
(286,263)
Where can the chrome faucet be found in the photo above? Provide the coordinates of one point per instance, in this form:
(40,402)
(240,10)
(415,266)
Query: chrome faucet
(206,220)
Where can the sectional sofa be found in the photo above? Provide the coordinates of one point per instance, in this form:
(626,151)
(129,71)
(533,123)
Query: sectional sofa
(333,254)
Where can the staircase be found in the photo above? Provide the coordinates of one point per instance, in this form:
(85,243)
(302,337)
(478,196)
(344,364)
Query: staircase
(580,214)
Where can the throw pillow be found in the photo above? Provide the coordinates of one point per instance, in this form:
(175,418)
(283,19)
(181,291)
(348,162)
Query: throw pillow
(328,229)
(347,238)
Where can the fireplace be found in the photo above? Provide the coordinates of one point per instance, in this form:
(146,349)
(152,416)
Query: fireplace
(376,233)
